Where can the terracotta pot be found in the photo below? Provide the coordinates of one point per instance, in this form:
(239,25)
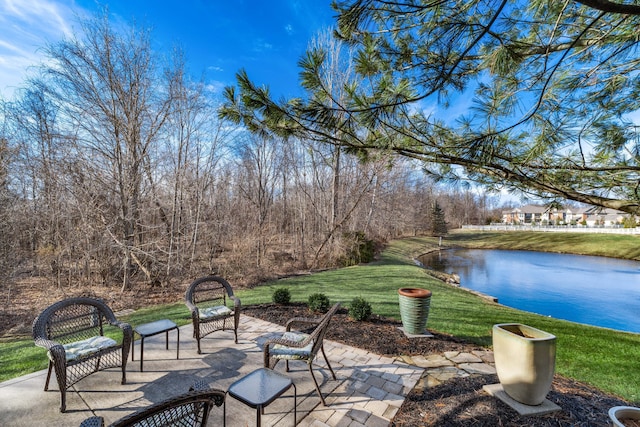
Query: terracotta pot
(525,360)
(414,309)
(619,413)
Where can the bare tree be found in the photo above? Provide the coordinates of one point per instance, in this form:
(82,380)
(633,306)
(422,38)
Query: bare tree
(258,170)
(117,101)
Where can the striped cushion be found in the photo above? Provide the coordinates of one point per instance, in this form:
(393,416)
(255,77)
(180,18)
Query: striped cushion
(79,349)
(212,312)
(280,351)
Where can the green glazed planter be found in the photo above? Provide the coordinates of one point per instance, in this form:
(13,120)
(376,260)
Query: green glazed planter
(414,309)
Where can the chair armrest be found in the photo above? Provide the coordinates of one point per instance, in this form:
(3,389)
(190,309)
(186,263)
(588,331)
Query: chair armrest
(56,351)
(126,327)
(288,343)
(195,312)
(49,345)
(236,301)
(192,307)
(305,321)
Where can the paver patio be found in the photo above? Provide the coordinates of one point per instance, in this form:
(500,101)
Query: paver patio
(369,388)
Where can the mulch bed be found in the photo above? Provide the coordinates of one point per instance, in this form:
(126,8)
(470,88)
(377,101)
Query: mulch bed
(457,402)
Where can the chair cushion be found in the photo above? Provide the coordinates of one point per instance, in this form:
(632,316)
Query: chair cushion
(77,349)
(212,312)
(280,351)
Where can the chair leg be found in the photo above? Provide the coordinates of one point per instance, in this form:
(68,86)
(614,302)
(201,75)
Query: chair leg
(196,335)
(63,400)
(61,377)
(270,366)
(316,383)
(328,364)
(46,383)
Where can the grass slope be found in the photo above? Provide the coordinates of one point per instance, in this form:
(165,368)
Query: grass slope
(609,245)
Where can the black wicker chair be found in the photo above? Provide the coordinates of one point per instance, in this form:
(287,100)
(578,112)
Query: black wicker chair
(303,339)
(189,410)
(74,333)
(207,300)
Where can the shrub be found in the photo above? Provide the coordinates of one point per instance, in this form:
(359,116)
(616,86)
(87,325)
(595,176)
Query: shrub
(282,296)
(359,249)
(630,222)
(319,303)
(360,309)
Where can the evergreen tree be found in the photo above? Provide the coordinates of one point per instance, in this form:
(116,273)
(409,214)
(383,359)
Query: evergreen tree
(438,222)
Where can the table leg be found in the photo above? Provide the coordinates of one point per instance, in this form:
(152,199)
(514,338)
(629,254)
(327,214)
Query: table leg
(259,410)
(295,403)
(178,344)
(141,352)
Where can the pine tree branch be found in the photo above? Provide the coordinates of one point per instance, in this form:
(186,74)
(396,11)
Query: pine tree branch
(611,7)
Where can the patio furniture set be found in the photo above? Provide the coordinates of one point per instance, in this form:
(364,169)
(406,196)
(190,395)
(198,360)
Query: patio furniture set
(82,336)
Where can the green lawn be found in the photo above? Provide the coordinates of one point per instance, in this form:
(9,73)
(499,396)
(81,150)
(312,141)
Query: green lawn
(611,245)
(601,357)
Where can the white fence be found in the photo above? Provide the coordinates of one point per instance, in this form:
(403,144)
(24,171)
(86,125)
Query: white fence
(554,229)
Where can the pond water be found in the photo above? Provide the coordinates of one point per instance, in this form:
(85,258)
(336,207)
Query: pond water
(597,291)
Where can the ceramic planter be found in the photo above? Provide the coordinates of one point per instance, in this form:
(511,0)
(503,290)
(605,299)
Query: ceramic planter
(414,309)
(619,413)
(525,359)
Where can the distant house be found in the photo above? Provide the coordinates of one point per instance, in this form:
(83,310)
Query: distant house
(577,215)
(527,214)
(590,216)
(598,216)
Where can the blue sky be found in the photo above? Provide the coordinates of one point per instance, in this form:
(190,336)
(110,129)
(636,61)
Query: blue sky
(219,37)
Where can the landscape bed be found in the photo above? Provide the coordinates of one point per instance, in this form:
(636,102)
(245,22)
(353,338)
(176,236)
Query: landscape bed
(457,402)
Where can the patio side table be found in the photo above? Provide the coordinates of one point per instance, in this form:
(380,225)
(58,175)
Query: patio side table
(259,388)
(154,328)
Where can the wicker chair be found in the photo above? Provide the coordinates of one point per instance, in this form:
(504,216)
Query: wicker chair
(207,299)
(74,333)
(297,345)
(189,410)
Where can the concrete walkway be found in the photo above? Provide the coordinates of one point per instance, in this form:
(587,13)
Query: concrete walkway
(368,391)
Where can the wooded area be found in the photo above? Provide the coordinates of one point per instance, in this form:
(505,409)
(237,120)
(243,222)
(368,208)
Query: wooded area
(115,169)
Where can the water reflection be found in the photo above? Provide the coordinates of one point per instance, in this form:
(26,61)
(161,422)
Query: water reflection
(593,290)
(435,261)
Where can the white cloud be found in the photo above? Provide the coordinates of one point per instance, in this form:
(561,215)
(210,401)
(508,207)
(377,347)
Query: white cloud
(215,87)
(260,46)
(427,108)
(289,29)
(26,26)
